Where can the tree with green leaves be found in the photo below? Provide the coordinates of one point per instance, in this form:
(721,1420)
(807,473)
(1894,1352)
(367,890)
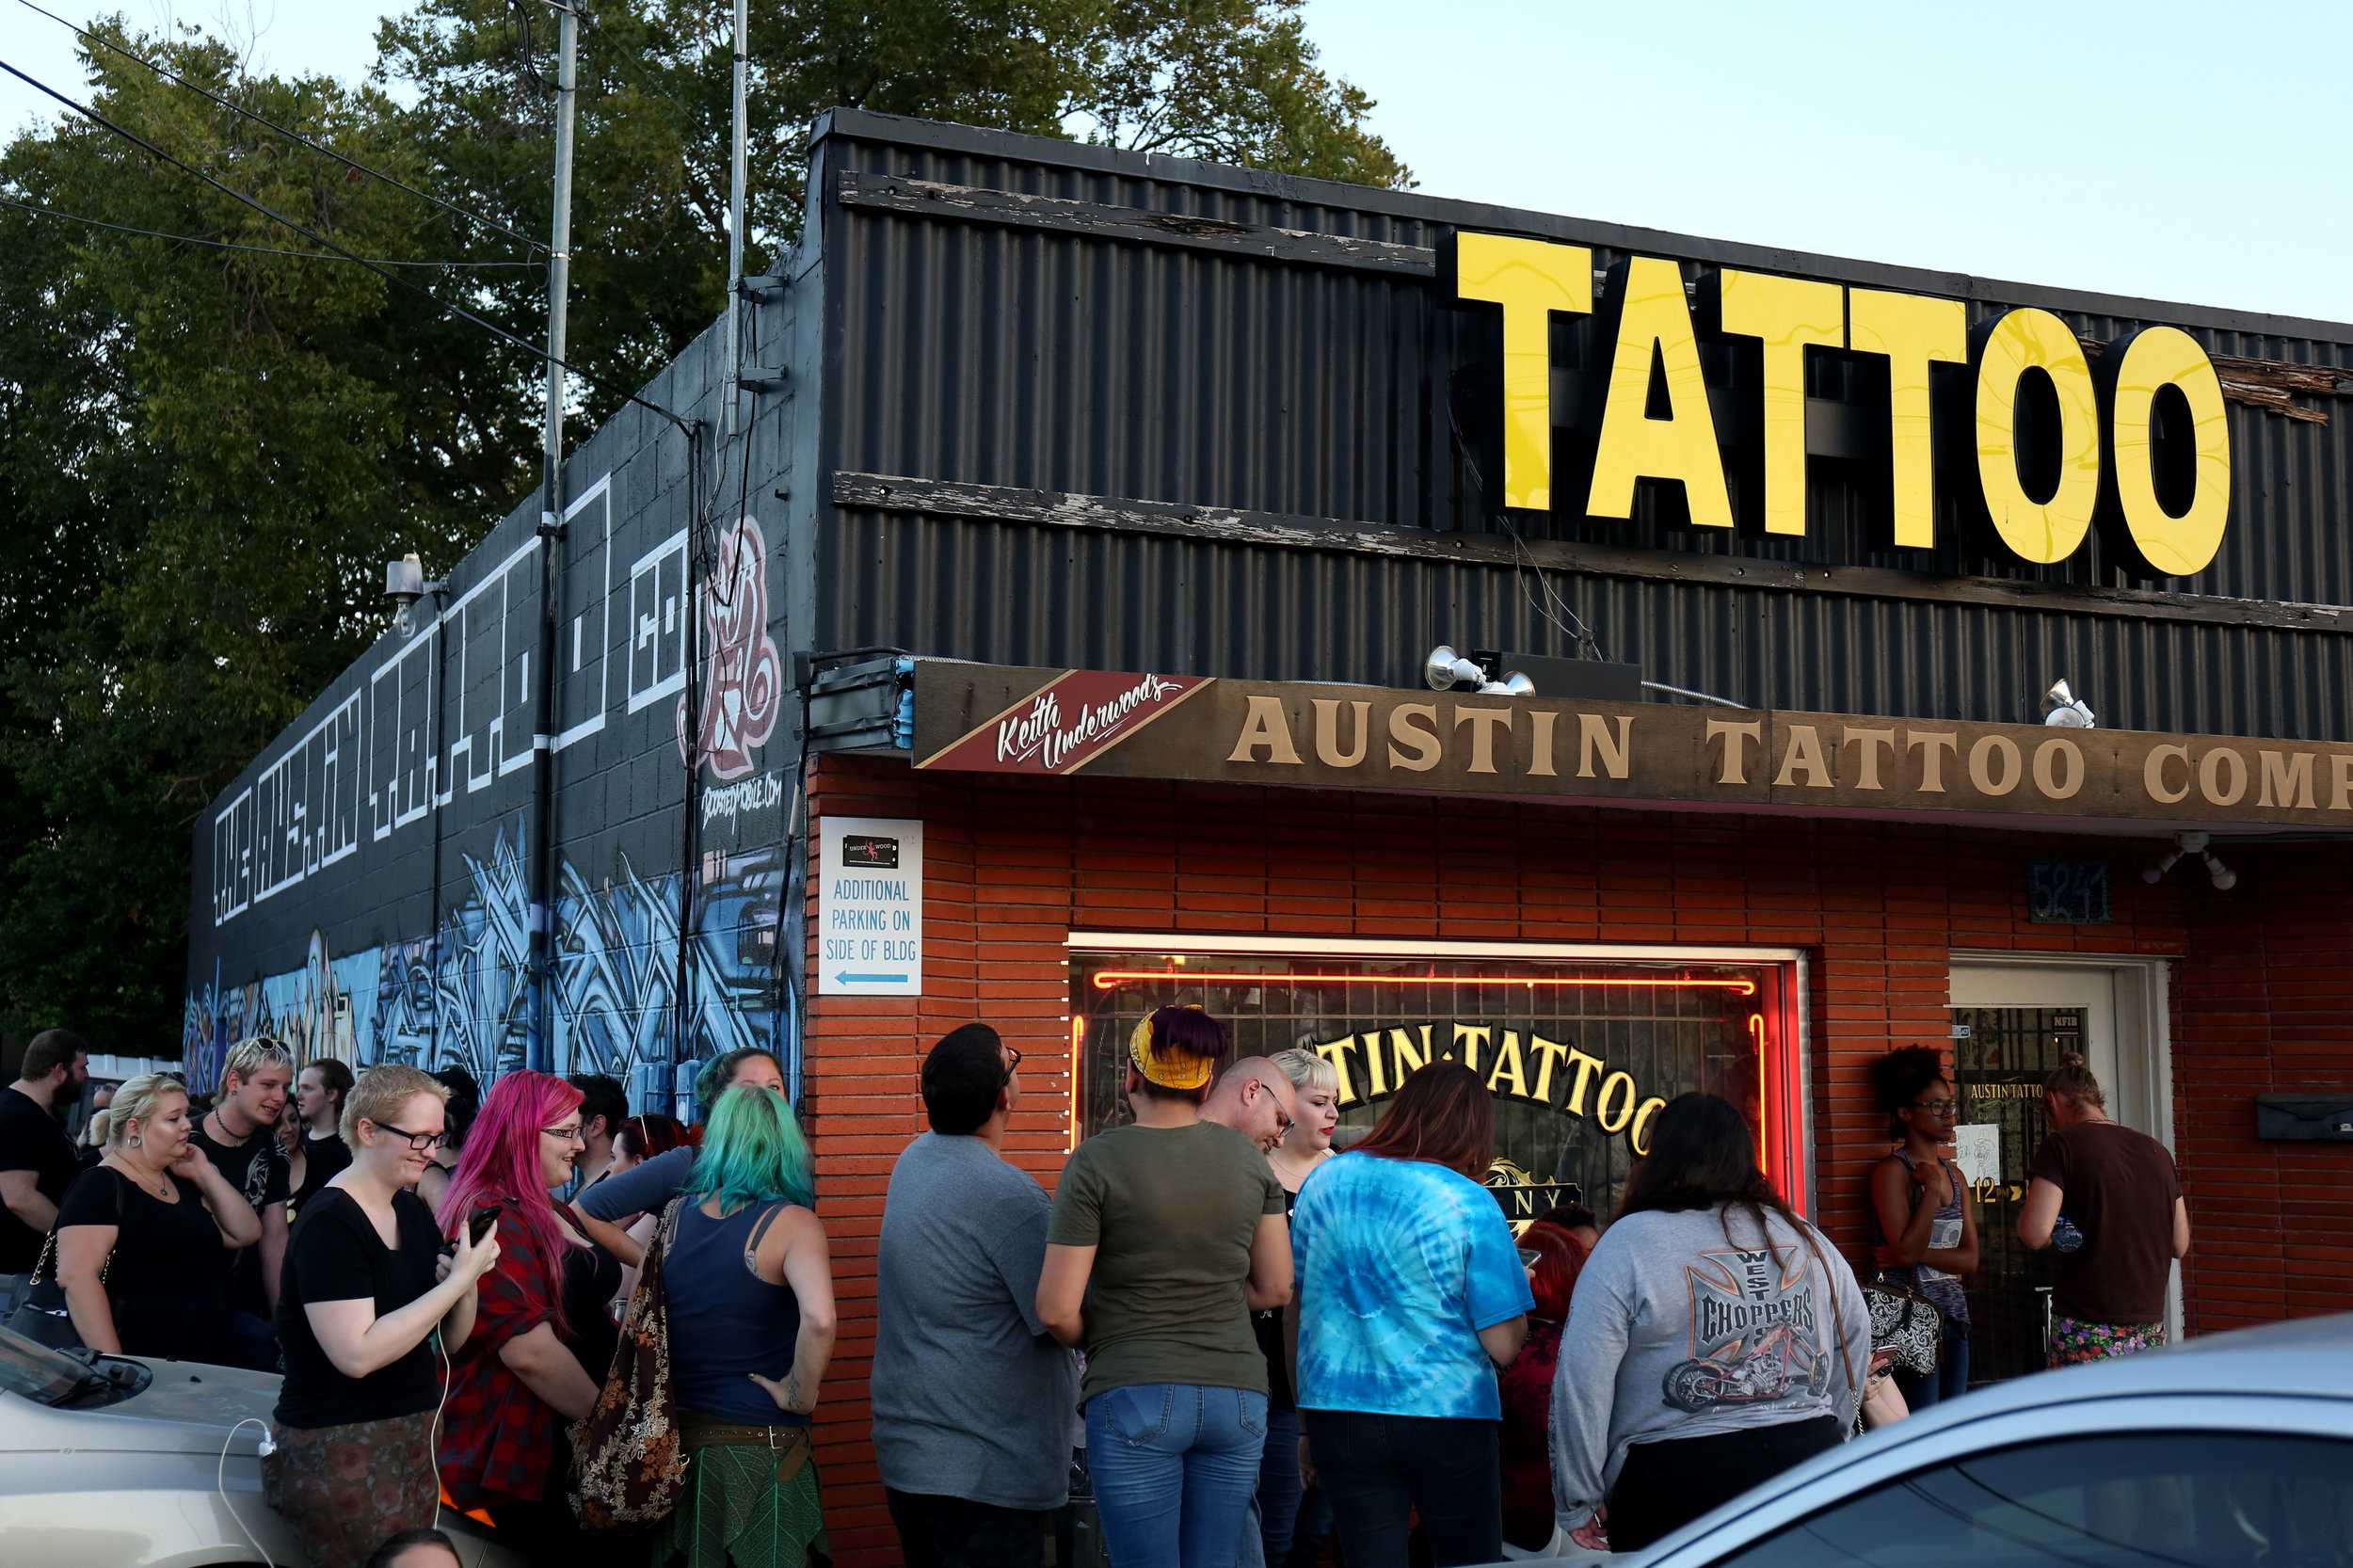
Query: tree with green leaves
(209,443)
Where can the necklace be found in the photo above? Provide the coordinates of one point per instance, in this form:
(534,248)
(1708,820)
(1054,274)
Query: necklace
(162,1190)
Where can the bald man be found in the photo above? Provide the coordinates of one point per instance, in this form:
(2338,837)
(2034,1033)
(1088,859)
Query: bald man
(1254,1098)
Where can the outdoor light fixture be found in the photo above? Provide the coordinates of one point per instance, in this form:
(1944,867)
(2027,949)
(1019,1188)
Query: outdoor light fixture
(1446,670)
(2222,876)
(404,584)
(2063,710)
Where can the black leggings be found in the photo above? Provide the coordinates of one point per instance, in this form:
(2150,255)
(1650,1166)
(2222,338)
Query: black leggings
(1378,1469)
(1665,1485)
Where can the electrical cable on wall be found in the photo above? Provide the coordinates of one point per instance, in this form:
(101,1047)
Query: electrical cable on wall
(1523,560)
(352,164)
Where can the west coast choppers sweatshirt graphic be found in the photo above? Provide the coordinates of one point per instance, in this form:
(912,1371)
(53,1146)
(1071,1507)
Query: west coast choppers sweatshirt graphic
(1754,1336)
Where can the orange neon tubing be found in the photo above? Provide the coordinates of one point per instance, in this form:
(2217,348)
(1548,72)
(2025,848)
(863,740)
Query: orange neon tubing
(1078,1044)
(1764,1098)
(1106,980)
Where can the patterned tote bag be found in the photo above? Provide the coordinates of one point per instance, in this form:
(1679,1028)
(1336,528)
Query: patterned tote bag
(629,1464)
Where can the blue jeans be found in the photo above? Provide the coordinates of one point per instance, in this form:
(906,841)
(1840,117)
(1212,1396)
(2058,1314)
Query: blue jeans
(1950,1380)
(1174,1465)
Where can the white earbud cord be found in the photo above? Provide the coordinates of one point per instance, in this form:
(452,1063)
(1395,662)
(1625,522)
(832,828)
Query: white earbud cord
(221,1480)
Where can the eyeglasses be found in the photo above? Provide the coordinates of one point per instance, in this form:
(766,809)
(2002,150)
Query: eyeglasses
(569,1135)
(1013,1063)
(1937,1108)
(419,1143)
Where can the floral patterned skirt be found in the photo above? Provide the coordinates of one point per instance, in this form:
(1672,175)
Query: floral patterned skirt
(2074,1342)
(344,1489)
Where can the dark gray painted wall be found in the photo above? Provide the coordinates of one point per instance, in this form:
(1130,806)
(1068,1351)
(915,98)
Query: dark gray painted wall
(1114,366)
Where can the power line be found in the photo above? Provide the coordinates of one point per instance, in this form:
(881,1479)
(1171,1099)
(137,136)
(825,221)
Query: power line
(178,80)
(231,244)
(316,239)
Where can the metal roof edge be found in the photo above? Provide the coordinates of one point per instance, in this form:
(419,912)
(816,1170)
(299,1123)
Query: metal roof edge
(946,136)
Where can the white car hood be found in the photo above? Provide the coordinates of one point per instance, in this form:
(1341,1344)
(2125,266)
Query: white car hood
(189,1407)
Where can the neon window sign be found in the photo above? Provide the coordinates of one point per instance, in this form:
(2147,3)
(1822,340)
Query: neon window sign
(1579,1055)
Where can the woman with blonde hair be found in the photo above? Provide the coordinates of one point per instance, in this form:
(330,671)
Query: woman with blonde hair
(145,1238)
(365,1292)
(1306,1144)
(745,1266)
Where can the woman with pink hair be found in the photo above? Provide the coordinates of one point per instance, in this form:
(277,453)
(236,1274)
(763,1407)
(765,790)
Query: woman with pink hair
(542,1341)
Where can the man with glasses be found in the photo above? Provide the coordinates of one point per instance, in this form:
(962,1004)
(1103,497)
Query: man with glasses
(972,1399)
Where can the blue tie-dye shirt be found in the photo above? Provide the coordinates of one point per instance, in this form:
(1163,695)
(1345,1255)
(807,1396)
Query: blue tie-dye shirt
(1400,1264)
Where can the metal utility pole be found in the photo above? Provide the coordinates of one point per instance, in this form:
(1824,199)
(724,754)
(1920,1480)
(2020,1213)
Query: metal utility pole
(540,1038)
(560,260)
(736,182)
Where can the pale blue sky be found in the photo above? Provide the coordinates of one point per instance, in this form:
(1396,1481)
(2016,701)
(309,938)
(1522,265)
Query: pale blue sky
(2181,152)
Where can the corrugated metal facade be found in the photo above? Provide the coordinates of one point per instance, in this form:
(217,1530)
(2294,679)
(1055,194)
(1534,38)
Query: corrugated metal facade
(1110,365)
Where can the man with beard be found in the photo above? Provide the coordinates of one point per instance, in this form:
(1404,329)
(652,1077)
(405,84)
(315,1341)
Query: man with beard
(37,1159)
(240,1137)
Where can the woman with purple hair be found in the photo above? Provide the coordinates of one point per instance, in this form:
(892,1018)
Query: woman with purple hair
(542,1341)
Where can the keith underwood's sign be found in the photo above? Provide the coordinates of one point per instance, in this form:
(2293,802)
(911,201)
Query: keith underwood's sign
(870,908)
(987,718)
(1067,722)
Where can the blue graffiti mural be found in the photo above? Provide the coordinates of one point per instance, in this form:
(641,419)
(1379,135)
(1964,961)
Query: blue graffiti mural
(461,995)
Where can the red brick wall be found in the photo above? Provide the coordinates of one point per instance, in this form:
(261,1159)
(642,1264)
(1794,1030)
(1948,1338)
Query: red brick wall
(2263,999)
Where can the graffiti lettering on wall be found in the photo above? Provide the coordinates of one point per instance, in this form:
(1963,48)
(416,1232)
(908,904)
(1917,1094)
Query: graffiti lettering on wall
(744,679)
(428,725)
(461,995)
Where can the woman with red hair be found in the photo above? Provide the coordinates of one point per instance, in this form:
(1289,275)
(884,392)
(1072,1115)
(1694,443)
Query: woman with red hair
(542,1341)
(1553,1257)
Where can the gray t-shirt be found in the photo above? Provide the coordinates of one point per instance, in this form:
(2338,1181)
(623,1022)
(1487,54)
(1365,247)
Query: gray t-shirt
(972,1399)
(1677,1330)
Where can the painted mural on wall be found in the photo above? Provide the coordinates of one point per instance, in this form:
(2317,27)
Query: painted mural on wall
(459,996)
(743,677)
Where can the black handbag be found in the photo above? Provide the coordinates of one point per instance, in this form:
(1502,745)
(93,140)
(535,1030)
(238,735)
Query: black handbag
(1905,1320)
(37,1308)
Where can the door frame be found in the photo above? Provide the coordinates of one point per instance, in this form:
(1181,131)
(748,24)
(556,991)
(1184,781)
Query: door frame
(2141,1096)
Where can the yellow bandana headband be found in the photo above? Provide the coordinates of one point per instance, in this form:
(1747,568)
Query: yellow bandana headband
(1172,1071)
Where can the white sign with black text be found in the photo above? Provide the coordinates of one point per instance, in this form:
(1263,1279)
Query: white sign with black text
(870,908)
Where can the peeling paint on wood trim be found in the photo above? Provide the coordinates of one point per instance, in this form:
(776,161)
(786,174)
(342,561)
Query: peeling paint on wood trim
(1279,530)
(930,199)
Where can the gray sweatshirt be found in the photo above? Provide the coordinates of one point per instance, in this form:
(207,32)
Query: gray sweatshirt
(1677,1330)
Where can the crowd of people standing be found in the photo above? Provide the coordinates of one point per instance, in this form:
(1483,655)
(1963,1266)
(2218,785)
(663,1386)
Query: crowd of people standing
(1258,1345)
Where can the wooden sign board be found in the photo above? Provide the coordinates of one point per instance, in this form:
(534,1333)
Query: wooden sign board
(1046,723)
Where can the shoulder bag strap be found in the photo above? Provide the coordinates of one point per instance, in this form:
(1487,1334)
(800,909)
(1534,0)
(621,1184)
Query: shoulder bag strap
(49,1243)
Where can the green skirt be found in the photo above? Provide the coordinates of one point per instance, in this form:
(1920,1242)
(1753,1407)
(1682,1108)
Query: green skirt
(736,1515)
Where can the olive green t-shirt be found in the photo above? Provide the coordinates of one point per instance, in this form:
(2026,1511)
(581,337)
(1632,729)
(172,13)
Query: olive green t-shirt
(1170,1212)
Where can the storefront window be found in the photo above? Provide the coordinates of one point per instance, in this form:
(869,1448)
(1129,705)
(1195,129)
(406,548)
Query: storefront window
(1578,1054)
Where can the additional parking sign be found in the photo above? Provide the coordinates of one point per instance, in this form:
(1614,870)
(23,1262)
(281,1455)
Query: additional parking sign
(870,908)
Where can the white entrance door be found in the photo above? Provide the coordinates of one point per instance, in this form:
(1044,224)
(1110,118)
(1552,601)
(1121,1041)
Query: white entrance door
(2012,1023)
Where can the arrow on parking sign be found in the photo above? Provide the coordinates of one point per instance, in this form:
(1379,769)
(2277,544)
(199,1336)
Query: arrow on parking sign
(845,978)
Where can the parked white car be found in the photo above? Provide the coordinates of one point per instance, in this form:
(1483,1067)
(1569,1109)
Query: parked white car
(2230,1452)
(114,1462)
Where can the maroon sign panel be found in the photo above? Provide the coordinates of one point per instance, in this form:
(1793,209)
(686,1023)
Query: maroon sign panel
(1067,722)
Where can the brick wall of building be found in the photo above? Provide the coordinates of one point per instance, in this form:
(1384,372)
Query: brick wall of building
(2262,993)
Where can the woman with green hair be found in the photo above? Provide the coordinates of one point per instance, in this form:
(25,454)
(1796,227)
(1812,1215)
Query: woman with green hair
(750,1293)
